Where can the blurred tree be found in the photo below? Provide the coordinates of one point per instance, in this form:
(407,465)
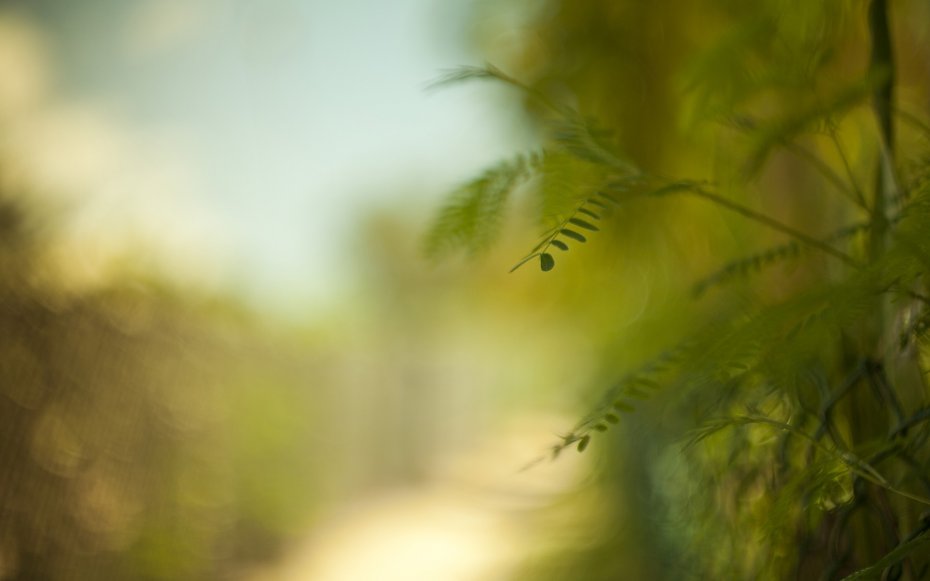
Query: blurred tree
(137,440)
(798,369)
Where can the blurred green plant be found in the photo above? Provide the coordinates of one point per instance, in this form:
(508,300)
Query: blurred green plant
(806,395)
(147,432)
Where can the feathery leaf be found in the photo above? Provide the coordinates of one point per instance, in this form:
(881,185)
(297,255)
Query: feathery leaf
(470,220)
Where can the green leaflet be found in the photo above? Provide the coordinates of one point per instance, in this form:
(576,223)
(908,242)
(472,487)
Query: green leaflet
(583,443)
(546,262)
(784,350)
(589,213)
(583,224)
(551,239)
(572,234)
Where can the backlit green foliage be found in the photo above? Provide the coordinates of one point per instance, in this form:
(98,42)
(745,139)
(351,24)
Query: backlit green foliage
(471,218)
(806,399)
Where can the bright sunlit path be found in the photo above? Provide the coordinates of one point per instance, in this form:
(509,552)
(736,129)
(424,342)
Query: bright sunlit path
(468,522)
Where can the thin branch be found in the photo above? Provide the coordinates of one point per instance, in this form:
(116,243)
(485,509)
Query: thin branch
(860,197)
(882,97)
(489,71)
(827,407)
(914,120)
(851,193)
(885,390)
(917,470)
(766,220)
(853,462)
(921,415)
(917,537)
(769,256)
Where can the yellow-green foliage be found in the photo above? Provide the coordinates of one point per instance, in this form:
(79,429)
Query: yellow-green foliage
(800,367)
(134,444)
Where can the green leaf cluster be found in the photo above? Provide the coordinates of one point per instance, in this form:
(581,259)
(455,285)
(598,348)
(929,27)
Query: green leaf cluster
(806,399)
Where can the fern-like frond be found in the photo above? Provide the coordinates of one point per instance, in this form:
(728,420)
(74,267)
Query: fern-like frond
(755,350)
(639,385)
(470,220)
(775,133)
(756,262)
(589,142)
(573,199)
(564,182)
(569,130)
(581,219)
(490,72)
(852,461)
(702,190)
(467,73)
(743,267)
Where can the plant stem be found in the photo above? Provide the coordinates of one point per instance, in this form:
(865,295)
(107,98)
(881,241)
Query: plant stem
(775,225)
(882,60)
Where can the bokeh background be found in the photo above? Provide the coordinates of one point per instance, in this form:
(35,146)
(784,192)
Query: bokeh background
(224,353)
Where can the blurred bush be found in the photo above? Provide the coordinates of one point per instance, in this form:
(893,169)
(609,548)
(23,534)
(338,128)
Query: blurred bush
(147,432)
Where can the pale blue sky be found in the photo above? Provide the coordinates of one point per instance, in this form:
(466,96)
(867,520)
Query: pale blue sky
(287,118)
